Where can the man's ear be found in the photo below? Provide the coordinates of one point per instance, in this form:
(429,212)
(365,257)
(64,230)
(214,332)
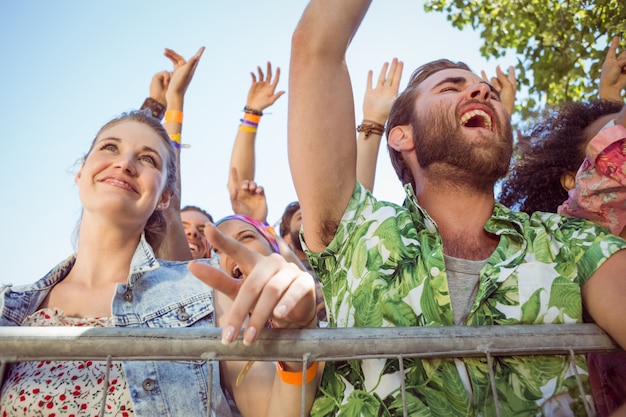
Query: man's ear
(400,138)
(568,180)
(164,202)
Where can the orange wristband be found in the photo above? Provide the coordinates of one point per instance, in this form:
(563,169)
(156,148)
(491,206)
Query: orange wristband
(175,116)
(254,118)
(295,378)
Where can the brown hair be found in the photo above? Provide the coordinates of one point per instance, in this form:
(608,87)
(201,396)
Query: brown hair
(403,110)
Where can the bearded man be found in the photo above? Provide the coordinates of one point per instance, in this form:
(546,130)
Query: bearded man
(450,255)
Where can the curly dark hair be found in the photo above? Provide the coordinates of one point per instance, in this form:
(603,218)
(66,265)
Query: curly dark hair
(555,145)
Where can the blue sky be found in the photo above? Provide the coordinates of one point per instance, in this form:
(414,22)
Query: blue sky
(70,66)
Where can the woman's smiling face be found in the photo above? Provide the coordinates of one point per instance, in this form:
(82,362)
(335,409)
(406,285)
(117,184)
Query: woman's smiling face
(125,172)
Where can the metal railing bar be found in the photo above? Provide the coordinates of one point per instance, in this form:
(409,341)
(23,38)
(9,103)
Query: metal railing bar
(78,343)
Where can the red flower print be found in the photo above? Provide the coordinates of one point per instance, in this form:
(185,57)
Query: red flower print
(36,391)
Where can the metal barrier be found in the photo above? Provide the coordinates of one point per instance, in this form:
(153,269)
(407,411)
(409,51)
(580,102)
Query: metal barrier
(306,345)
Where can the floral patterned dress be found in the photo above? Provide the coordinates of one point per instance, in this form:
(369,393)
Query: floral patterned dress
(64,388)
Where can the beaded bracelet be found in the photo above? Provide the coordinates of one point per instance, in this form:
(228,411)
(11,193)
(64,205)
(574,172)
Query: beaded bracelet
(295,378)
(369,127)
(250,110)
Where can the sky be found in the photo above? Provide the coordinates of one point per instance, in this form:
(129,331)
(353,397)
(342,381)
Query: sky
(71,66)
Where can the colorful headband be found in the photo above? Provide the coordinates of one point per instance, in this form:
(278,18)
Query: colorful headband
(265,230)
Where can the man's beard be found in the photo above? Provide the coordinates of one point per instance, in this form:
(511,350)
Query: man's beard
(445,154)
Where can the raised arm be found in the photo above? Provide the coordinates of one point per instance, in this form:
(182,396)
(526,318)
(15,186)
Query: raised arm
(376,107)
(322,149)
(175,246)
(613,75)
(262,94)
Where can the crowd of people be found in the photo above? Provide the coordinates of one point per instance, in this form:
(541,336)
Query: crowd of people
(548,249)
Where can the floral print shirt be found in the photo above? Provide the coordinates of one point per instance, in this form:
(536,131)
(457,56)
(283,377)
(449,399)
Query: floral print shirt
(37,389)
(600,191)
(385,267)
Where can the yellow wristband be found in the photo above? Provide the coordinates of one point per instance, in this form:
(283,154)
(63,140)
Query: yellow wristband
(175,137)
(247,129)
(175,116)
(295,378)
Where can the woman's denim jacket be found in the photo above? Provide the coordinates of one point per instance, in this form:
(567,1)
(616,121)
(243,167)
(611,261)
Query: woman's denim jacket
(158,294)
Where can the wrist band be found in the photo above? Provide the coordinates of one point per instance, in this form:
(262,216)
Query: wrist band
(175,116)
(295,378)
(251,117)
(250,110)
(247,129)
(369,127)
(175,137)
(248,122)
(156,109)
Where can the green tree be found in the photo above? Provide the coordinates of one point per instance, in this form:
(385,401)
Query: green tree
(559,45)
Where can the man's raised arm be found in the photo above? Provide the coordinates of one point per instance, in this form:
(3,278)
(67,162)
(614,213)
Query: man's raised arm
(322,146)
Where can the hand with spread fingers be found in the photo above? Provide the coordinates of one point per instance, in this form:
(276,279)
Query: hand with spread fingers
(506,85)
(262,93)
(376,107)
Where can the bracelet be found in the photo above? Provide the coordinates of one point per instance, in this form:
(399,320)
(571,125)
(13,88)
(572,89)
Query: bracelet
(156,109)
(175,137)
(295,378)
(175,116)
(369,127)
(247,129)
(250,110)
(252,118)
(248,122)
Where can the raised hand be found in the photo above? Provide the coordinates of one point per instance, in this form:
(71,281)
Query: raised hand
(506,85)
(613,74)
(181,75)
(158,86)
(272,289)
(379,99)
(246,197)
(262,93)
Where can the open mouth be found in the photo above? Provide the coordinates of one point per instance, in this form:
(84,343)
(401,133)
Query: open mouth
(476,118)
(236,272)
